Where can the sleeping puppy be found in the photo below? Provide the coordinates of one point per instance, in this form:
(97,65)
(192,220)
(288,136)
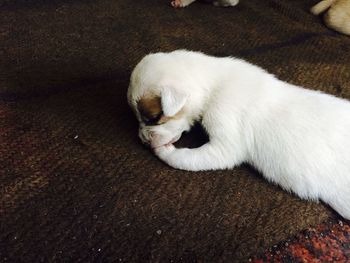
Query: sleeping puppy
(297,138)
(224,3)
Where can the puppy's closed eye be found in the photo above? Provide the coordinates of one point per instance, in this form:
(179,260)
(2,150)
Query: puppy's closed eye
(152,120)
(150,109)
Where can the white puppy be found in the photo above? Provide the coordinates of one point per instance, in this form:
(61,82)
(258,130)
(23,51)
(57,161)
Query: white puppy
(297,138)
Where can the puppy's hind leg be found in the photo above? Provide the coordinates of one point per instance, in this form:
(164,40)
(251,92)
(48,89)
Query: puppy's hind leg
(210,156)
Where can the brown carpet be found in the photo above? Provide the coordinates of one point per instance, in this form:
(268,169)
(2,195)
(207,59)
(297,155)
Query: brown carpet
(77,185)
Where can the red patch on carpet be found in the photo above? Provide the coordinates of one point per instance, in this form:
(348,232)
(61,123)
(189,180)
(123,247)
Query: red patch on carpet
(329,242)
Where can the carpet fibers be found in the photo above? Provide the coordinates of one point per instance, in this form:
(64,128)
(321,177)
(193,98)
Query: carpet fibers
(76,185)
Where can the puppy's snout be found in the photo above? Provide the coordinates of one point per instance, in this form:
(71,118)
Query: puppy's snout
(150,138)
(143,136)
(146,136)
(156,141)
(151,135)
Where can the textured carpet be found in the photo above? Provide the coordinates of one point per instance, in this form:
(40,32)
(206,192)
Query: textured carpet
(329,242)
(76,185)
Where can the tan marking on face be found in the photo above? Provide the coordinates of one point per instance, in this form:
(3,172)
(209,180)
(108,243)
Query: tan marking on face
(150,108)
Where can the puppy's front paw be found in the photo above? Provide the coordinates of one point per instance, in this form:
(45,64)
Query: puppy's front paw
(164,151)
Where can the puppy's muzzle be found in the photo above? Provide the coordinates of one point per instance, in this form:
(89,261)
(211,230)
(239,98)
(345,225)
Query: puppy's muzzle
(154,140)
(146,136)
(150,138)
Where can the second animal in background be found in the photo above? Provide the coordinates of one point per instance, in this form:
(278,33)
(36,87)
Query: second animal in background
(337,16)
(224,3)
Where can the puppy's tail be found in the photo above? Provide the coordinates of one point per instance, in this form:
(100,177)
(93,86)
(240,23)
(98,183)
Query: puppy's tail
(321,6)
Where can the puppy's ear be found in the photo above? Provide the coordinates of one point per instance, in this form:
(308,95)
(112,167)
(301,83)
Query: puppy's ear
(172,101)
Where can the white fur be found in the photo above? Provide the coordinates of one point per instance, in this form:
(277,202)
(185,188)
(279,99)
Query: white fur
(297,138)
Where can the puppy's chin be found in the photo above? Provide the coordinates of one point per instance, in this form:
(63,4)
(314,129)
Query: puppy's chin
(158,143)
